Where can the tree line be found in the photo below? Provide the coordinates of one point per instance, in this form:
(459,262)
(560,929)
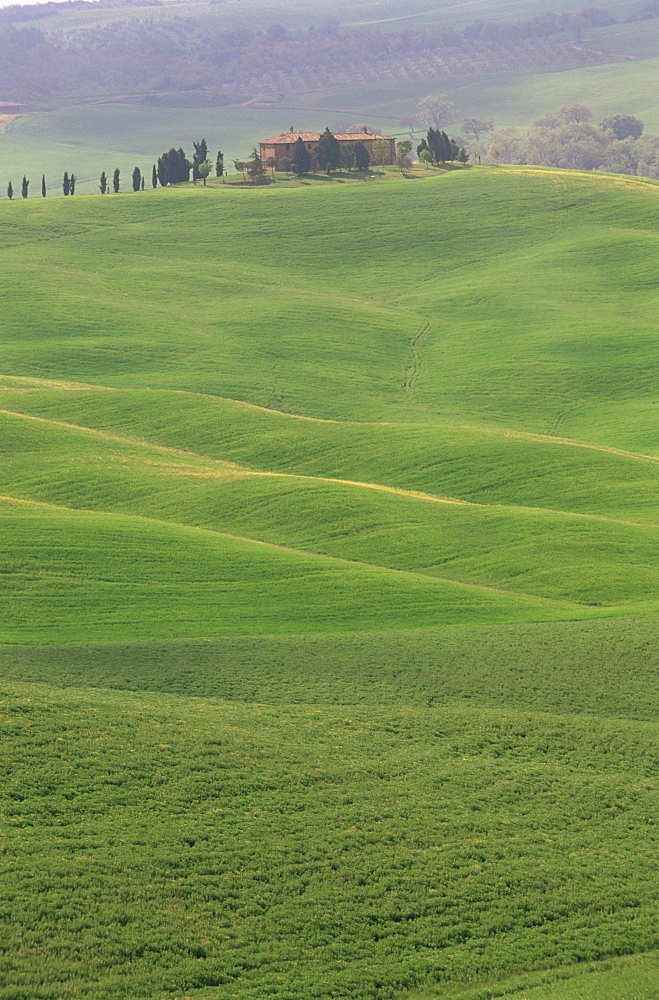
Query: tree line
(172,167)
(277,58)
(567,138)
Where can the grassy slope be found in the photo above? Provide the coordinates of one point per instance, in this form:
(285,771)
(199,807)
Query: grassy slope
(485,823)
(389,354)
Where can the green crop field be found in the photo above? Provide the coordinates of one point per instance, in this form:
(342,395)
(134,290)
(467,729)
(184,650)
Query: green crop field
(329,591)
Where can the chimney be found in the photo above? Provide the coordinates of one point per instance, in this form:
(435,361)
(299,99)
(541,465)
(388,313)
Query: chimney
(365,129)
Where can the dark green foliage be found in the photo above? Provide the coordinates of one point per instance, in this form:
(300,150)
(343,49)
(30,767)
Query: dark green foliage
(43,185)
(66,184)
(10,191)
(255,168)
(154,176)
(362,157)
(300,160)
(200,156)
(72,183)
(137,178)
(347,155)
(440,146)
(327,152)
(623,126)
(24,186)
(103,183)
(173,167)
(219,164)
(116,180)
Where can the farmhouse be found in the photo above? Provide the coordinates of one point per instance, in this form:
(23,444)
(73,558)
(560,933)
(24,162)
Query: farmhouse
(281,146)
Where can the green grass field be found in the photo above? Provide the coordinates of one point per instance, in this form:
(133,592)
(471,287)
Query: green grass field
(330,602)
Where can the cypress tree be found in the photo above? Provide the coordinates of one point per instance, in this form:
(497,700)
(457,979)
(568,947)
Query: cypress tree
(115,180)
(103,183)
(162,170)
(24,186)
(200,156)
(219,164)
(362,158)
(43,185)
(142,184)
(435,144)
(154,177)
(72,183)
(447,149)
(10,191)
(137,178)
(300,161)
(65,182)
(183,166)
(328,152)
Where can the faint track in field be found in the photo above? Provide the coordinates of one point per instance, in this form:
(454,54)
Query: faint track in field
(413,373)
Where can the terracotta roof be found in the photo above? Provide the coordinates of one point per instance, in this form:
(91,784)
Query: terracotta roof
(315,136)
(358,136)
(292,137)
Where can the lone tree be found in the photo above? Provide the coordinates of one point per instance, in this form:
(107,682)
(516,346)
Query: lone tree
(328,152)
(623,126)
(219,164)
(362,156)
(137,178)
(300,160)
(24,186)
(154,177)
(115,180)
(255,168)
(10,191)
(477,127)
(204,170)
(43,185)
(437,110)
(66,184)
(103,183)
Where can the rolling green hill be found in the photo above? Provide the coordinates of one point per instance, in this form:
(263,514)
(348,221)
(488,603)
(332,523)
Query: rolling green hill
(330,600)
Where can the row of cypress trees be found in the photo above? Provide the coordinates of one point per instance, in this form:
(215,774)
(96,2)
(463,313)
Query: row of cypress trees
(172,168)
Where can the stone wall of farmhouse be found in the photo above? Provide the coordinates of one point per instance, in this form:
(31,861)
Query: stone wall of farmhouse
(285,149)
